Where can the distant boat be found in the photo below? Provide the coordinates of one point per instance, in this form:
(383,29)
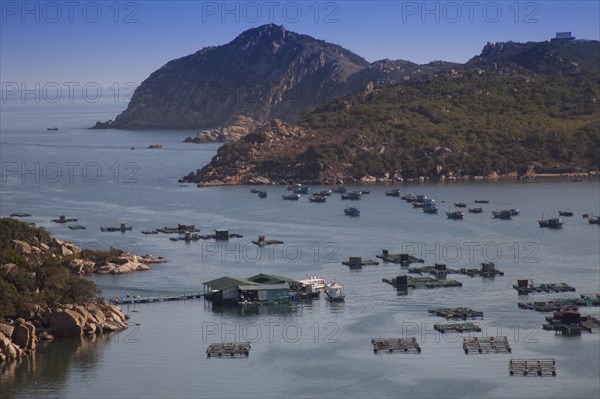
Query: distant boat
(262,194)
(429,206)
(506,214)
(339,190)
(515,212)
(565,213)
(593,219)
(52,129)
(482,201)
(353,196)
(291,197)
(317,198)
(255,190)
(352,211)
(456,215)
(363,192)
(301,189)
(475,210)
(460,205)
(577,180)
(334,293)
(395,192)
(324,193)
(553,223)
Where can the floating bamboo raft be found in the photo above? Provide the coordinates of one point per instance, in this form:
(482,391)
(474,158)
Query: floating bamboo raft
(230,349)
(532,367)
(457,327)
(524,288)
(457,313)
(562,304)
(486,345)
(439,269)
(487,270)
(391,345)
(403,259)
(421,282)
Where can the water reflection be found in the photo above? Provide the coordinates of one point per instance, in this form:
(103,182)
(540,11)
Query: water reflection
(49,367)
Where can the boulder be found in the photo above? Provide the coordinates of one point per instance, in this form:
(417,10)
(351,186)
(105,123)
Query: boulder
(6,329)
(65,251)
(66,323)
(24,336)
(44,247)
(22,247)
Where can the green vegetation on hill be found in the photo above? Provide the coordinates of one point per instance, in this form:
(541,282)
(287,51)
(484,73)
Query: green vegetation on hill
(37,278)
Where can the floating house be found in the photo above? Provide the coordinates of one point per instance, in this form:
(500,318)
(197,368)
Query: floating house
(259,289)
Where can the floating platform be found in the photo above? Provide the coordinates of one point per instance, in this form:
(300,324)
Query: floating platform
(487,270)
(180,229)
(262,241)
(486,345)
(403,281)
(525,287)
(391,345)
(403,259)
(356,262)
(220,235)
(77,227)
(121,228)
(20,215)
(562,304)
(457,313)
(230,349)
(149,232)
(570,323)
(438,269)
(457,327)
(63,219)
(532,367)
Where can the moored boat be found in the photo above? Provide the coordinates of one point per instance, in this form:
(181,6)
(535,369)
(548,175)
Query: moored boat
(482,201)
(291,197)
(505,214)
(353,196)
(515,212)
(339,190)
(395,192)
(553,223)
(593,219)
(460,205)
(475,210)
(456,215)
(317,198)
(352,211)
(565,213)
(262,194)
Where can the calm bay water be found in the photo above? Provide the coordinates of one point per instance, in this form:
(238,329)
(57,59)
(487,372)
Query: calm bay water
(301,350)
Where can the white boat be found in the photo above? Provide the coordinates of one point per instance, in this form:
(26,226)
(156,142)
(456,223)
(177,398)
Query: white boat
(334,292)
(314,284)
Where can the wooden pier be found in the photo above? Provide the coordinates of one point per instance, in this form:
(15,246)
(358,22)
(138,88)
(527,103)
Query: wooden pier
(457,313)
(525,287)
(486,345)
(532,367)
(403,259)
(230,349)
(457,327)
(391,345)
(131,300)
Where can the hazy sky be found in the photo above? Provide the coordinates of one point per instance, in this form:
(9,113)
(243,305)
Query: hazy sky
(107,41)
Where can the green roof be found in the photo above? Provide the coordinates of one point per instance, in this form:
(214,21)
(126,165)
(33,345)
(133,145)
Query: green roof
(263,287)
(223,283)
(272,279)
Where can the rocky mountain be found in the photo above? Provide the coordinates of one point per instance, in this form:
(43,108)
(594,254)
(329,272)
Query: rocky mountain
(506,112)
(264,73)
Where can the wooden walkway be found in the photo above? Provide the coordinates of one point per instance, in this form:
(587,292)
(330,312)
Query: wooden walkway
(139,299)
(486,345)
(532,367)
(229,349)
(391,345)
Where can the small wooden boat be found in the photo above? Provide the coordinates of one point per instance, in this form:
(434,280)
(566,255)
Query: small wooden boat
(456,215)
(255,190)
(291,197)
(149,232)
(460,205)
(301,190)
(262,194)
(77,227)
(317,198)
(565,213)
(352,211)
(482,201)
(506,214)
(352,196)
(324,193)
(515,212)
(395,192)
(475,210)
(52,129)
(593,219)
(553,223)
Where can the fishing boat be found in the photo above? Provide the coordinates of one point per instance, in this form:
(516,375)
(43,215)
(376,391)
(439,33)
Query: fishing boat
(460,205)
(429,206)
(334,293)
(313,284)
(317,198)
(353,196)
(593,219)
(515,212)
(363,192)
(565,213)
(324,193)
(301,189)
(77,227)
(456,215)
(395,192)
(506,214)
(262,194)
(254,190)
(291,197)
(475,210)
(482,201)
(553,223)
(352,211)
(52,129)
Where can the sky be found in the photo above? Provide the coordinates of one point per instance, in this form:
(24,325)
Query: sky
(117,42)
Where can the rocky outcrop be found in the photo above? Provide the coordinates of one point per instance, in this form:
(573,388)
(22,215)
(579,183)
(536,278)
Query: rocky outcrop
(20,337)
(239,127)
(125,263)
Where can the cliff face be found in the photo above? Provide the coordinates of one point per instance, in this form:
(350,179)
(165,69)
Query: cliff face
(265,73)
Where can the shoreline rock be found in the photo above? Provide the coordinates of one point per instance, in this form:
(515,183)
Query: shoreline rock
(234,130)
